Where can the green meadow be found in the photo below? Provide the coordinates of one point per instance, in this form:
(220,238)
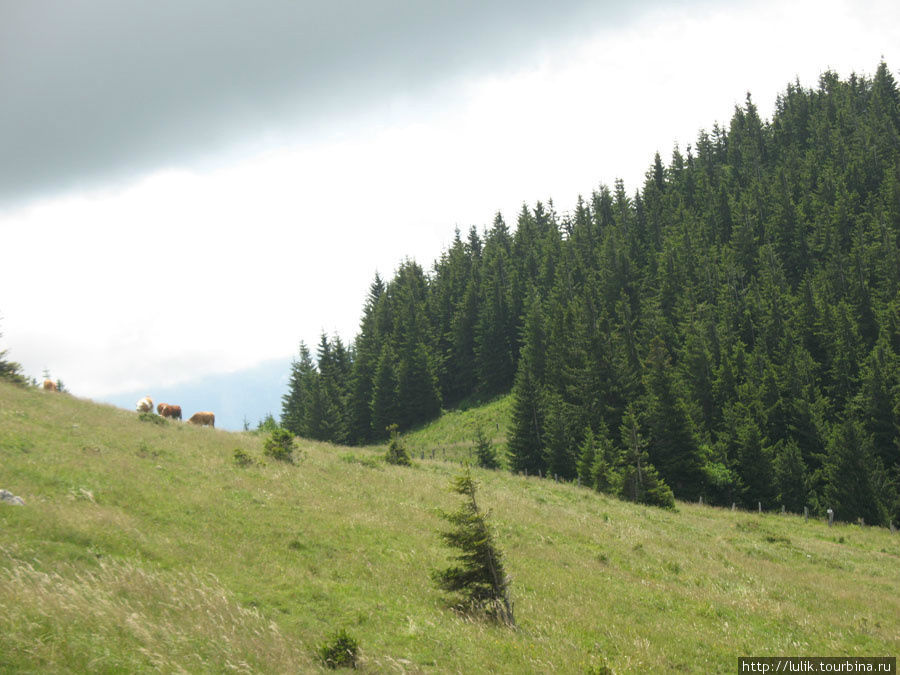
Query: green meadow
(145,547)
(451,437)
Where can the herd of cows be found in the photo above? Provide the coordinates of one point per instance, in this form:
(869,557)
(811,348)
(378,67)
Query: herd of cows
(145,405)
(203,419)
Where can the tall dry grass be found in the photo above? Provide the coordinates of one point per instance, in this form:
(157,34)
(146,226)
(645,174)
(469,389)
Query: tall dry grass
(122,617)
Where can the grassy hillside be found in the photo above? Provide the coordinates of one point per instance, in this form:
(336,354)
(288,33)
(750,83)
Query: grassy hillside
(144,547)
(452,435)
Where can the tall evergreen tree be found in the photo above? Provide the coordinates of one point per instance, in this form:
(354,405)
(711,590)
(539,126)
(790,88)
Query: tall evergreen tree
(790,474)
(385,409)
(295,404)
(496,328)
(526,434)
(849,488)
(672,447)
(640,480)
(365,362)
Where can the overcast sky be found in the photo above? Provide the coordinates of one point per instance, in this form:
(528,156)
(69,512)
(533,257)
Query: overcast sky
(190,187)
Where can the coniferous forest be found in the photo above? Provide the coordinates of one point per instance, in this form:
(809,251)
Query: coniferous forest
(730,331)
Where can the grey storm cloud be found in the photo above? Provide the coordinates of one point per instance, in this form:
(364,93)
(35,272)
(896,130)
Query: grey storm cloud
(93,90)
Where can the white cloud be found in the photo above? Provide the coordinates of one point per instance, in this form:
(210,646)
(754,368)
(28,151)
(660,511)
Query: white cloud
(186,273)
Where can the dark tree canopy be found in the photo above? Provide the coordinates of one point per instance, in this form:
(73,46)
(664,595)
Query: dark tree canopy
(744,303)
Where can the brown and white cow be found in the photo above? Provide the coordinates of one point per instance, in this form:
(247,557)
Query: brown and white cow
(168,410)
(145,405)
(50,385)
(203,419)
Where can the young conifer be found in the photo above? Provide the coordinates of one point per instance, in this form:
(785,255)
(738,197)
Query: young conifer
(396,453)
(478,579)
(485,453)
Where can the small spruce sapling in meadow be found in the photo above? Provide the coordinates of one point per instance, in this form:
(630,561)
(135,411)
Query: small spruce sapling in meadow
(485,453)
(242,459)
(280,445)
(341,651)
(478,579)
(396,452)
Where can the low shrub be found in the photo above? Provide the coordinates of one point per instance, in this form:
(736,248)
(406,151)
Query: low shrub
(396,452)
(280,445)
(242,459)
(341,651)
(151,417)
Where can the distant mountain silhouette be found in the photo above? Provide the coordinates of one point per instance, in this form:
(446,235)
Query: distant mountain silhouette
(245,394)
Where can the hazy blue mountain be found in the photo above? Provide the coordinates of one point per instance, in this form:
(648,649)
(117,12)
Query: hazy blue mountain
(246,394)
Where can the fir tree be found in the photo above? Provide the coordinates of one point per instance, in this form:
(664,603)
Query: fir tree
(587,456)
(526,444)
(385,410)
(849,488)
(396,452)
(495,331)
(790,474)
(478,580)
(367,353)
(559,449)
(295,405)
(606,472)
(640,480)
(485,453)
(754,466)
(672,447)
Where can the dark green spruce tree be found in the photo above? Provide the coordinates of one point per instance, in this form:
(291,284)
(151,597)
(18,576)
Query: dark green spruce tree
(296,403)
(478,579)
(525,443)
(849,488)
(640,480)
(367,353)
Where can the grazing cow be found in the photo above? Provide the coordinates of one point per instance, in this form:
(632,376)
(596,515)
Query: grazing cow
(203,419)
(145,405)
(50,385)
(168,410)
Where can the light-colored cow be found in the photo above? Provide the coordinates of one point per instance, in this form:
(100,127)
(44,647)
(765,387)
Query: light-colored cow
(203,419)
(145,405)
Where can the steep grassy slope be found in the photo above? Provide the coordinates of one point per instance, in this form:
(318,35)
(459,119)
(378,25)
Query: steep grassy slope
(452,435)
(144,547)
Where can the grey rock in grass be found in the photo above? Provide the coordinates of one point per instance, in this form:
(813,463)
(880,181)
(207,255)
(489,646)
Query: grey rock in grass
(10,498)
